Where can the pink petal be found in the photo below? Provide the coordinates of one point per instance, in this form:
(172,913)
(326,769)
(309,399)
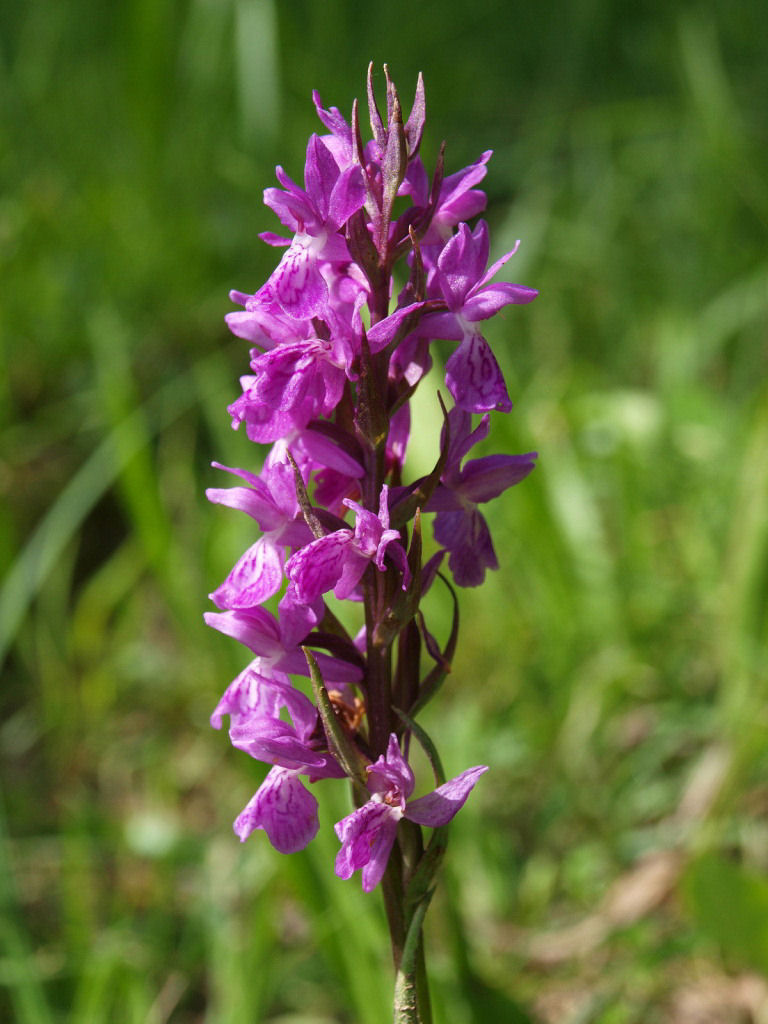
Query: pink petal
(461,264)
(380,335)
(354,566)
(466,535)
(486,478)
(391,771)
(474,378)
(254,627)
(317,568)
(298,284)
(489,300)
(248,693)
(284,809)
(348,195)
(439,807)
(257,576)
(366,838)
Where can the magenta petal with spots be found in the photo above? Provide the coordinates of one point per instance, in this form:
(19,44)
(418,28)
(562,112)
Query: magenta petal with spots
(466,536)
(367,836)
(368,833)
(250,693)
(474,378)
(284,809)
(257,575)
(317,567)
(298,284)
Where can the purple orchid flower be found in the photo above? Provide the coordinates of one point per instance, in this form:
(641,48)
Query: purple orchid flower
(331,377)
(271,500)
(459,524)
(263,322)
(339,142)
(315,214)
(368,834)
(261,732)
(458,199)
(281,806)
(472,374)
(291,385)
(276,642)
(337,561)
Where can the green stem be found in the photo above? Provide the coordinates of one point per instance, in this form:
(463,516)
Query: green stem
(392,889)
(379,673)
(408,888)
(412,1004)
(422,983)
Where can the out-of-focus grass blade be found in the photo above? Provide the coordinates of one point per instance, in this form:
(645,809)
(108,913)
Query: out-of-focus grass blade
(109,989)
(127,420)
(481,1001)
(27,995)
(730,905)
(89,483)
(718,110)
(258,91)
(347,924)
(240,917)
(744,643)
(26,991)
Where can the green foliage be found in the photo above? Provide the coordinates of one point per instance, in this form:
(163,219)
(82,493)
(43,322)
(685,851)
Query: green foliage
(619,651)
(730,906)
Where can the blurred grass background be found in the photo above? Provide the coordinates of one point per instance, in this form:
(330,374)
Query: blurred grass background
(612,867)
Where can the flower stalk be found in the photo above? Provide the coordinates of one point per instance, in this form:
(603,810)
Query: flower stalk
(336,356)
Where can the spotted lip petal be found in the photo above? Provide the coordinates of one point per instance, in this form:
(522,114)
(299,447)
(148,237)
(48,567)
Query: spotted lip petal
(367,836)
(251,692)
(298,284)
(284,809)
(338,560)
(474,378)
(257,575)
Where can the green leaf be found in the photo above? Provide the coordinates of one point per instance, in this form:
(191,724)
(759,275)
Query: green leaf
(406,681)
(339,743)
(427,745)
(434,680)
(310,517)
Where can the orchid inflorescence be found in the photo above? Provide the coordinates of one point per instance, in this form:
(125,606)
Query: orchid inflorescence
(334,365)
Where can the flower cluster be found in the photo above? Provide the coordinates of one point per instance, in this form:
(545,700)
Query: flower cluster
(336,356)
